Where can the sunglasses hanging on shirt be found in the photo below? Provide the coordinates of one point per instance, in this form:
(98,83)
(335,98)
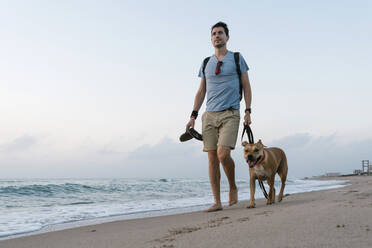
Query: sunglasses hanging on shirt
(218,68)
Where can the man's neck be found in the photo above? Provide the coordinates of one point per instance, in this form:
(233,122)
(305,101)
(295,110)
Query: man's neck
(220,52)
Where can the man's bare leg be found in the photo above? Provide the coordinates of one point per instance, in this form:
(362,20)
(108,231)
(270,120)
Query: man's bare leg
(223,154)
(214,178)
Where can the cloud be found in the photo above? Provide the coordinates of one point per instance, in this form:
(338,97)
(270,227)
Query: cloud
(310,155)
(307,154)
(294,141)
(19,144)
(168,159)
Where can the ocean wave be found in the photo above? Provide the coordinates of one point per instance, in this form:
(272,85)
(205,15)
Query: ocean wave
(80,203)
(46,190)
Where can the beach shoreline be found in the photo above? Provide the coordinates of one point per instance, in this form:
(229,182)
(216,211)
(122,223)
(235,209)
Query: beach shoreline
(50,222)
(339,217)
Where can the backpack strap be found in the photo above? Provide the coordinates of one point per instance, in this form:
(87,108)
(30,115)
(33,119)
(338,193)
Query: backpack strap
(205,62)
(237,64)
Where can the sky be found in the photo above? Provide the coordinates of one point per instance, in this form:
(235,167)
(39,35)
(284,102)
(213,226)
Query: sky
(105,88)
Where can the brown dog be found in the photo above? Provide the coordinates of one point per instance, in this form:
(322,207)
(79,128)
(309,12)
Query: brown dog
(264,163)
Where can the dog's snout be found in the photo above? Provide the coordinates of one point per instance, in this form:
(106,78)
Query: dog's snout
(250,157)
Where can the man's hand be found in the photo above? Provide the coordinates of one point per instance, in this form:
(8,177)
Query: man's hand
(191,123)
(247,118)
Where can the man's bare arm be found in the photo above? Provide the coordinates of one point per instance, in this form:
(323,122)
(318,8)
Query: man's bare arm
(247,97)
(200,95)
(198,101)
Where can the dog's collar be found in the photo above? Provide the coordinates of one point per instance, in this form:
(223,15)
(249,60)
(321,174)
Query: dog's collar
(262,160)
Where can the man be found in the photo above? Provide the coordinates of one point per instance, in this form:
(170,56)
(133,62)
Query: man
(220,122)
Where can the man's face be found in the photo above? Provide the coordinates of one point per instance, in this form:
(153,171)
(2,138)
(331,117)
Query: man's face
(219,37)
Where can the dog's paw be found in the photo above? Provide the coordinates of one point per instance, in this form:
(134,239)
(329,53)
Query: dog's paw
(252,205)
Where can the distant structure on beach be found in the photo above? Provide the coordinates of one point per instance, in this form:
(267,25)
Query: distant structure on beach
(366,167)
(332,174)
(366,170)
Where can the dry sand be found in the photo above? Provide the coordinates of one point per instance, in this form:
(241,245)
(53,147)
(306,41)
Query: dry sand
(331,218)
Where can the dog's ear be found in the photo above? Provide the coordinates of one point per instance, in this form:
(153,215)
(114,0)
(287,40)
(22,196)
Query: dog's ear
(244,143)
(260,143)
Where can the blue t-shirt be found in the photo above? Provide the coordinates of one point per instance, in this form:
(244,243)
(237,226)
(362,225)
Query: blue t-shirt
(223,89)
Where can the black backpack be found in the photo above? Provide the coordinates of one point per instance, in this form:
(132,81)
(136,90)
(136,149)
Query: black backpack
(236,58)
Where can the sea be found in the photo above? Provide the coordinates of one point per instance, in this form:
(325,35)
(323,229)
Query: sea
(30,206)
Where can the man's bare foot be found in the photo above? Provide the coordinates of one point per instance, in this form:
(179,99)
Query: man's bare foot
(233,197)
(215,207)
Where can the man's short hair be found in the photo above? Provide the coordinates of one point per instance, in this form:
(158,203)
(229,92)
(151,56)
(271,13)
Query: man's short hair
(221,24)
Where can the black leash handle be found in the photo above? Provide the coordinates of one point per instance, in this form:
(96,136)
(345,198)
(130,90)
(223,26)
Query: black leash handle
(248,129)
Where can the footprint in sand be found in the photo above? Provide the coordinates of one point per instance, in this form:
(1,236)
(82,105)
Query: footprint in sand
(217,222)
(264,213)
(243,219)
(172,233)
(350,191)
(167,246)
(182,230)
(164,239)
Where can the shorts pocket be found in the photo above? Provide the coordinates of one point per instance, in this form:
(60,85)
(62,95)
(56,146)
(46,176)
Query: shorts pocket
(203,116)
(236,113)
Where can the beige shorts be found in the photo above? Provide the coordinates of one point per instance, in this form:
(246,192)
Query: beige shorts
(220,129)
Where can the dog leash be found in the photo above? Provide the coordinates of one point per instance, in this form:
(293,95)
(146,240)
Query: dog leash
(248,129)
